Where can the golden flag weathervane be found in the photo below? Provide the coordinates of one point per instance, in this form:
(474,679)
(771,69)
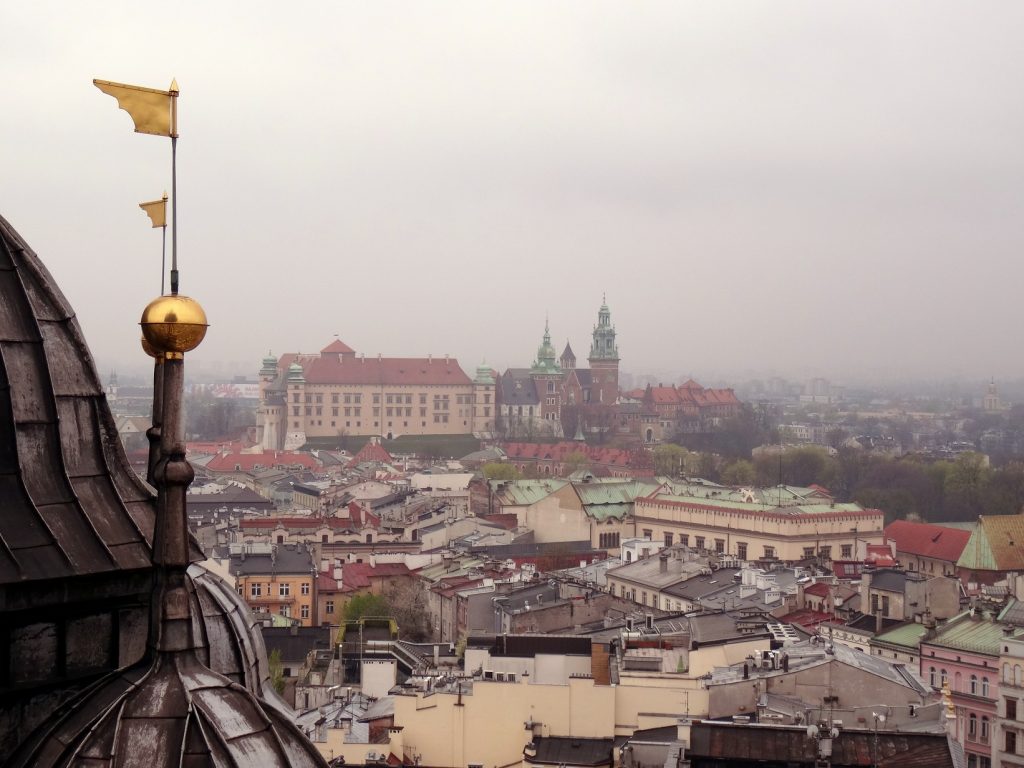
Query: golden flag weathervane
(154,112)
(157,212)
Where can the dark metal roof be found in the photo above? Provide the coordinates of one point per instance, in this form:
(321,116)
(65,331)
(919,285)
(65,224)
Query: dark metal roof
(287,559)
(525,646)
(756,745)
(295,643)
(518,389)
(71,503)
(558,750)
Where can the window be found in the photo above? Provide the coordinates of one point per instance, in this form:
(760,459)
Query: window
(931,677)
(847,551)
(885,605)
(255,590)
(984,687)
(329,606)
(1010,746)
(741,550)
(305,588)
(684,539)
(1011,709)
(769,553)
(984,729)
(334,398)
(808,553)
(376,398)
(284,590)
(304,612)
(720,546)
(647,533)
(972,727)
(944,677)
(974,685)
(698,542)
(668,539)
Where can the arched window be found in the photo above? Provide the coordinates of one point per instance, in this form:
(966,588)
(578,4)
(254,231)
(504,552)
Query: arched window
(984,687)
(1017,674)
(957,681)
(984,729)
(974,684)
(944,677)
(931,677)
(1006,673)
(972,727)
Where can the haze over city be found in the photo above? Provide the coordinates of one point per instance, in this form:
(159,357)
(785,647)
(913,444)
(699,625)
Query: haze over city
(832,190)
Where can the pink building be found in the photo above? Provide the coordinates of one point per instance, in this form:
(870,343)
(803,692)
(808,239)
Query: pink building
(965,652)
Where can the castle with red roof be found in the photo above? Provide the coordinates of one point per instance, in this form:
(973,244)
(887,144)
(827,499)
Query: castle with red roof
(337,392)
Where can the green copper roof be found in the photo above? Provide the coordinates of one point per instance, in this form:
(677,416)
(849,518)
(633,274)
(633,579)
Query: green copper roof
(977,634)
(295,373)
(484,375)
(996,544)
(522,493)
(906,636)
(547,361)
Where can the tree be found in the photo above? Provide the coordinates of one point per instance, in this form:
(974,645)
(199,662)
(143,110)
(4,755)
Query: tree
(366,604)
(739,472)
(966,484)
(669,459)
(276,670)
(408,606)
(576,461)
(500,470)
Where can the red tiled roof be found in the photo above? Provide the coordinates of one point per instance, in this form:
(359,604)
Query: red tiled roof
(358,575)
(372,451)
(805,617)
(820,589)
(558,452)
(325,583)
(506,520)
(927,540)
(335,369)
(337,347)
(247,462)
(213,446)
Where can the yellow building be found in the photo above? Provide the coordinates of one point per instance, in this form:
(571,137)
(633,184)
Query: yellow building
(336,393)
(754,530)
(488,722)
(277,579)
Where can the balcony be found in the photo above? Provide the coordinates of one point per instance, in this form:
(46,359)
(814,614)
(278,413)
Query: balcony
(266,599)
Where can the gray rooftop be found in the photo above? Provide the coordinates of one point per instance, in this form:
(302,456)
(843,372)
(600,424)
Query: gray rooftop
(286,559)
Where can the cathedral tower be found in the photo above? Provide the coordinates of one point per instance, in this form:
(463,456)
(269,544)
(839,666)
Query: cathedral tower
(604,359)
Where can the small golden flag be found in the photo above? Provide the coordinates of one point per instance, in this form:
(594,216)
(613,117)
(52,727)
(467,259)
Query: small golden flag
(157,211)
(153,111)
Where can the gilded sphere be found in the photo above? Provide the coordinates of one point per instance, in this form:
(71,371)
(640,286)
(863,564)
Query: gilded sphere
(174,324)
(149,349)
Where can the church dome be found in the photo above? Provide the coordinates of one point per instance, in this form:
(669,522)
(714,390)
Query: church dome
(73,512)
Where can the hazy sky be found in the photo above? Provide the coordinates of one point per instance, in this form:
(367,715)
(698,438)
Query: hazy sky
(814,188)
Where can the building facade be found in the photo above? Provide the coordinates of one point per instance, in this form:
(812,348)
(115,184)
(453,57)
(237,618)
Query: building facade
(751,531)
(337,393)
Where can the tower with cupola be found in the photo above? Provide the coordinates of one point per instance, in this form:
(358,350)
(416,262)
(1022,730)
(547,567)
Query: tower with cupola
(604,359)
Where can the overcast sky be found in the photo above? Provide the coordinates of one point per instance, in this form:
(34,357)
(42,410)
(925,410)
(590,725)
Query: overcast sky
(807,188)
